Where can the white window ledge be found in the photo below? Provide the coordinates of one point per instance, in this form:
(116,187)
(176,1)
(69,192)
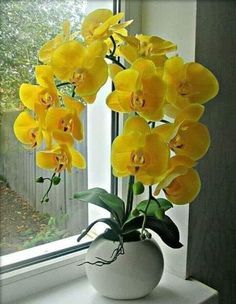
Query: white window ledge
(171,290)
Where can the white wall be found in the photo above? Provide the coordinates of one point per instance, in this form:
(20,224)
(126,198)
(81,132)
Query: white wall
(175,21)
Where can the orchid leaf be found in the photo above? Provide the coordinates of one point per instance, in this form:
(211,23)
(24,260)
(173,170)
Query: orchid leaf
(164,203)
(114,203)
(165,228)
(109,221)
(92,196)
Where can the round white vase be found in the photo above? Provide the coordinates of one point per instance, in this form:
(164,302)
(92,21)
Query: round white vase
(132,275)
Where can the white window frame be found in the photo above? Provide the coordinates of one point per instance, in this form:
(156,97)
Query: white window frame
(57,271)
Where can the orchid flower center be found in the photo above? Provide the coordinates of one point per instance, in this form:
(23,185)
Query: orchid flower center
(78,77)
(184,88)
(46,99)
(137,101)
(62,161)
(176,142)
(66,125)
(137,159)
(145,49)
(33,133)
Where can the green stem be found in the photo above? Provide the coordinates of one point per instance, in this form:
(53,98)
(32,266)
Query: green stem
(114,60)
(62,84)
(114,46)
(145,213)
(45,197)
(165,121)
(130,197)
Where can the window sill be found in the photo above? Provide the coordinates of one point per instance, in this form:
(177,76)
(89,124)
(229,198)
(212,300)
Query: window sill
(170,290)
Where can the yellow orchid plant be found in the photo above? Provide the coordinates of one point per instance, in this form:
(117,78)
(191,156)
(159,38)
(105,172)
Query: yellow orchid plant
(162,138)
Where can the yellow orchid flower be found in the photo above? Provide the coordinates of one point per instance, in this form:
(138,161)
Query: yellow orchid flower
(138,89)
(150,47)
(187,83)
(83,66)
(66,119)
(181,183)
(62,156)
(139,152)
(101,24)
(39,98)
(46,51)
(186,136)
(27,130)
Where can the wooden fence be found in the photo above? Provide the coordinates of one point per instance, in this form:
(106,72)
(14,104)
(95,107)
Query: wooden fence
(17,165)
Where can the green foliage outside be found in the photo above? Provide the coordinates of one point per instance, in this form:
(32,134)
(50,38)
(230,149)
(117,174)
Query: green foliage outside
(25,26)
(51,232)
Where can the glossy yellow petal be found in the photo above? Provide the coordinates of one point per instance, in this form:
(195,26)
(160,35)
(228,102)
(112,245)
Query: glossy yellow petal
(66,29)
(165,131)
(73,104)
(122,148)
(78,160)
(92,79)
(188,83)
(104,30)
(192,140)
(95,49)
(158,45)
(77,129)
(30,95)
(157,155)
(66,59)
(136,124)
(204,85)
(181,160)
(62,137)
(145,67)
(184,189)
(114,69)
(46,160)
(27,130)
(45,53)
(93,20)
(156,115)
(153,94)
(54,118)
(129,52)
(126,80)
(172,175)
(119,27)
(90,98)
(171,110)
(59,159)
(119,101)
(191,112)
(44,75)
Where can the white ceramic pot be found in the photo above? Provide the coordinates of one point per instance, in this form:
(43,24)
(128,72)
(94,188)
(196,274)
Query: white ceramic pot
(132,275)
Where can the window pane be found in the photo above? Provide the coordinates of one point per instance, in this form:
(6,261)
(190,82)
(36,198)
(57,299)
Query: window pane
(25,222)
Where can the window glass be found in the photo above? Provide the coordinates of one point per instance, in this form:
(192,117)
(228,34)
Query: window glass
(26,222)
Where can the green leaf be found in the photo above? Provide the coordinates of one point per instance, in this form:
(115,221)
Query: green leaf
(109,221)
(93,196)
(153,209)
(166,229)
(160,213)
(114,203)
(165,204)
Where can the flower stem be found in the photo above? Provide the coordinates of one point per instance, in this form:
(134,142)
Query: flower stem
(114,60)
(145,214)
(62,84)
(130,196)
(114,46)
